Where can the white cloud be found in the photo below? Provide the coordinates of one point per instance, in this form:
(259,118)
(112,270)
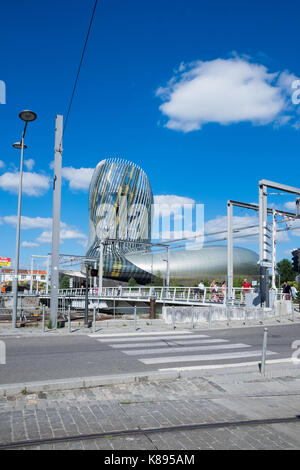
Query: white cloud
(29,222)
(79,178)
(34,184)
(29,244)
(172,199)
(2,164)
(226,91)
(165,204)
(83,243)
(66,233)
(29,164)
(291,206)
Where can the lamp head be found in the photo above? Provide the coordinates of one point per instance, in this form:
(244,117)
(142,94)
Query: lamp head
(27,116)
(18,145)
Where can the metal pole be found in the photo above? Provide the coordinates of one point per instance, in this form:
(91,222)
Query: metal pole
(16,274)
(43,319)
(47,275)
(94,320)
(229,250)
(69,319)
(274,250)
(135,318)
(168,269)
(86,314)
(56,221)
(264,352)
(101,268)
(263,256)
(31,274)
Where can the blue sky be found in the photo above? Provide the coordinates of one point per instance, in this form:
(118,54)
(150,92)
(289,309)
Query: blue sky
(164,84)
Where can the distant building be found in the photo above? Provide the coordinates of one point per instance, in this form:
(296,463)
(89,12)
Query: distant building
(7,275)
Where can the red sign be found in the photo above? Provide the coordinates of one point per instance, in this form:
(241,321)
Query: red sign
(5,261)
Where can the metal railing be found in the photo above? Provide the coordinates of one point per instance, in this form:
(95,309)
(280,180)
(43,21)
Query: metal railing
(188,295)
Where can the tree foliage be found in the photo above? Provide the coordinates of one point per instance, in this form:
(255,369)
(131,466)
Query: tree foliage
(64,283)
(132,282)
(285,271)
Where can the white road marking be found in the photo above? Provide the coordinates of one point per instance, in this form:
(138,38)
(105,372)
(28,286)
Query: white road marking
(158,333)
(166,349)
(203,357)
(171,340)
(166,337)
(226,366)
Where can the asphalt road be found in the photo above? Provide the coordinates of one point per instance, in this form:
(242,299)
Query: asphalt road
(59,357)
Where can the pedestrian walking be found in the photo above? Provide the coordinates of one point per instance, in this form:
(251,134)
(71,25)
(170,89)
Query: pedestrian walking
(287,291)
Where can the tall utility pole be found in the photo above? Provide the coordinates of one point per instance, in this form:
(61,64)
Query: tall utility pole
(56,220)
(229,251)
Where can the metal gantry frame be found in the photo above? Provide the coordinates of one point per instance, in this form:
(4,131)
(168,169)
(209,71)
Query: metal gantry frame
(264,259)
(230,231)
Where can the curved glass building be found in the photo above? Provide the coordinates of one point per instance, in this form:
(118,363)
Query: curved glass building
(120,205)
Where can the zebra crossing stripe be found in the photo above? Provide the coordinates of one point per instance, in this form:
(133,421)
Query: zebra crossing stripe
(166,337)
(203,357)
(169,342)
(142,352)
(153,333)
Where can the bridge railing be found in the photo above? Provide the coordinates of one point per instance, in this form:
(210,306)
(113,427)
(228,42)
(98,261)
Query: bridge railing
(179,294)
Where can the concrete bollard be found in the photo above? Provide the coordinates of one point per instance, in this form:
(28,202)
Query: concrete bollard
(264,352)
(280,311)
(228,317)
(43,319)
(135,318)
(69,319)
(209,320)
(173,318)
(94,320)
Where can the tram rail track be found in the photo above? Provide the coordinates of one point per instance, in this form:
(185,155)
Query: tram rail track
(145,431)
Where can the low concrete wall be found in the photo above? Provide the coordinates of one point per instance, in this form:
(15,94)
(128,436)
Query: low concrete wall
(283,307)
(219,313)
(26,301)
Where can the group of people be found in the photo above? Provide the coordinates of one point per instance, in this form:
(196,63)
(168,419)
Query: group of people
(217,291)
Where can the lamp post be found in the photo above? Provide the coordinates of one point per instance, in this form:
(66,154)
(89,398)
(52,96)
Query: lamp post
(26,116)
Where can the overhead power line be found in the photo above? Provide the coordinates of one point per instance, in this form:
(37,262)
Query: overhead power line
(80,64)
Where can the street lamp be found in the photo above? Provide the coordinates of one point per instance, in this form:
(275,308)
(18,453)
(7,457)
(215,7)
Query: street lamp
(27,116)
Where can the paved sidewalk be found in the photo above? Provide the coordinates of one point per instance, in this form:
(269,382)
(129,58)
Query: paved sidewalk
(216,396)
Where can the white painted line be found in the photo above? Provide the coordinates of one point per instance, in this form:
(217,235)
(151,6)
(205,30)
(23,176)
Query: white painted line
(171,343)
(225,366)
(111,335)
(166,349)
(203,357)
(168,337)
